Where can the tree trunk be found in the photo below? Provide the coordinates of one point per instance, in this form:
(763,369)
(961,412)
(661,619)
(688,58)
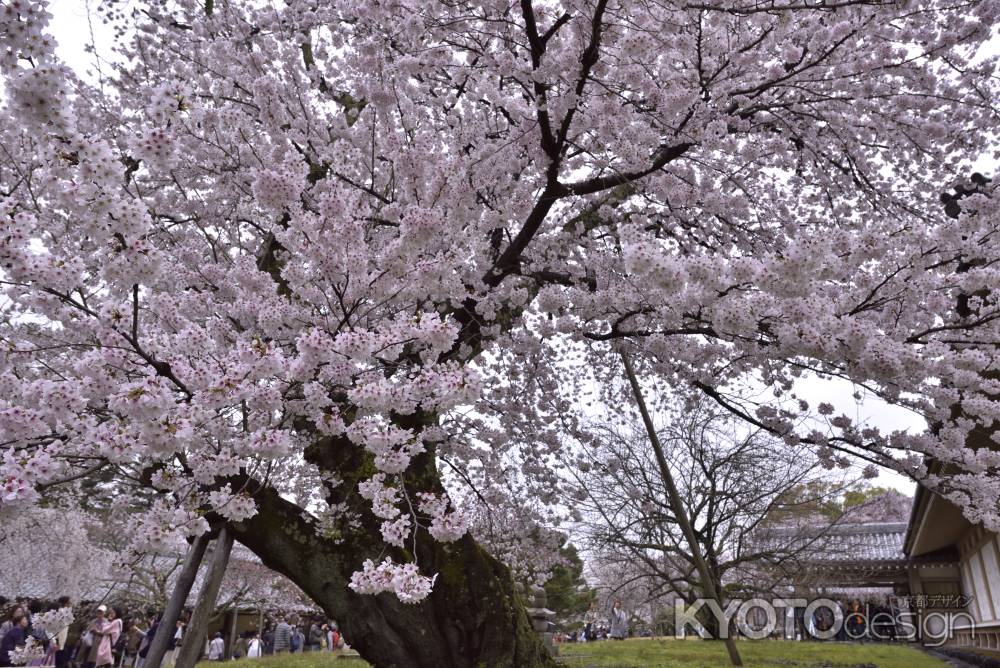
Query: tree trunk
(473,617)
(677,505)
(168,622)
(194,639)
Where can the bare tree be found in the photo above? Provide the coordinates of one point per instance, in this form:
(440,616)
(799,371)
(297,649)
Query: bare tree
(732,482)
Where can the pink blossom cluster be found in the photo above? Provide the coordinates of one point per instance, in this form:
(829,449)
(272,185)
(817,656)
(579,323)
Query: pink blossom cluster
(234,507)
(52,621)
(23,27)
(404,580)
(159,528)
(384,499)
(52,548)
(446,526)
(393,447)
(21,472)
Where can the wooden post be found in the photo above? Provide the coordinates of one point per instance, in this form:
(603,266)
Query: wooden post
(231,647)
(168,621)
(677,505)
(194,639)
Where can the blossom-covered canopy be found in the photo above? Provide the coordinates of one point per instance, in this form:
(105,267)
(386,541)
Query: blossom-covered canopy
(282,247)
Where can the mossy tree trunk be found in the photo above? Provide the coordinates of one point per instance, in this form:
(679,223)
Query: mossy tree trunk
(474,616)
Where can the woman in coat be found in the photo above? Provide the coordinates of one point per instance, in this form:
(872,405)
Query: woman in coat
(619,622)
(104,633)
(13,638)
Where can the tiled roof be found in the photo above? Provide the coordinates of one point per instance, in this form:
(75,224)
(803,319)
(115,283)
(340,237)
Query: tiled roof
(876,541)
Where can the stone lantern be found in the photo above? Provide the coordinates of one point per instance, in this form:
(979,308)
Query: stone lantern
(540,615)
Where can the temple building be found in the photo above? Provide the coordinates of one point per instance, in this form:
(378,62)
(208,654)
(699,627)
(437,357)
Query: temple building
(937,571)
(966,594)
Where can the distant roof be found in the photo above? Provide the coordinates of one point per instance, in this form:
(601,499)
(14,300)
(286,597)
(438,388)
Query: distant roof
(877,541)
(869,541)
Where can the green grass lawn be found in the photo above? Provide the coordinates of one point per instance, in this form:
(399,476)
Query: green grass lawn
(654,653)
(305,660)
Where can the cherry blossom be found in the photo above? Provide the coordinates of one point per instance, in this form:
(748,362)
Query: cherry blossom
(302,264)
(403,580)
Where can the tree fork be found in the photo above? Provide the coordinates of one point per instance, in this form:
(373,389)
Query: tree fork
(472,618)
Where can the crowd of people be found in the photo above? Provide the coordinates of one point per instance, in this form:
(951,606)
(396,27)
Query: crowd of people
(854,620)
(613,626)
(46,627)
(311,635)
(35,634)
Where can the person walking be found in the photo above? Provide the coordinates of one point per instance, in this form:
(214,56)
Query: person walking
(282,636)
(240,648)
(105,631)
(336,639)
(619,622)
(34,610)
(147,638)
(93,637)
(109,639)
(217,648)
(856,623)
(315,640)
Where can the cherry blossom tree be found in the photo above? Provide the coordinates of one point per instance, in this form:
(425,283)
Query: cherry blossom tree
(51,552)
(280,251)
(878,505)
